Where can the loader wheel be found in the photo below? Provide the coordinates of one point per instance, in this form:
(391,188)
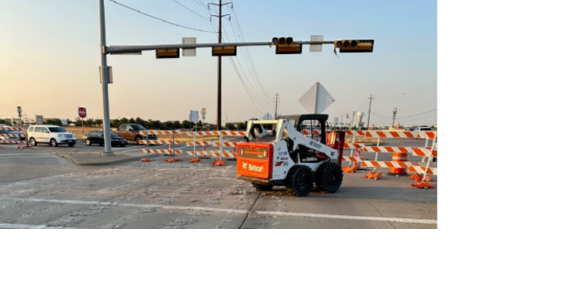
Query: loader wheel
(300,180)
(329,177)
(262,187)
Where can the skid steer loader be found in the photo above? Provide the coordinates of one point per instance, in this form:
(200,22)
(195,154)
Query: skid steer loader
(291,152)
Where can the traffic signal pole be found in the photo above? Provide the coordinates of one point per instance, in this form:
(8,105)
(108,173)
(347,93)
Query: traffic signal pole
(104,70)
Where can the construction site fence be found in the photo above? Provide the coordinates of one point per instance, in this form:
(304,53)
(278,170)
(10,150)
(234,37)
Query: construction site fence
(221,143)
(427,152)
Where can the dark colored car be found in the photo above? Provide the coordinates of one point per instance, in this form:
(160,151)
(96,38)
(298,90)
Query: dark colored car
(97,137)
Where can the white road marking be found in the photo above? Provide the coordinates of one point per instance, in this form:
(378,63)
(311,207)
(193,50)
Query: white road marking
(26,155)
(27,226)
(385,219)
(13,156)
(310,215)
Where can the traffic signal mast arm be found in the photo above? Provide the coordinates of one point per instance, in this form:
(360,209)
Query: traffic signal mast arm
(139,48)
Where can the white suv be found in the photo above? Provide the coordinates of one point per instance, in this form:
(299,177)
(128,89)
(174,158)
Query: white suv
(52,134)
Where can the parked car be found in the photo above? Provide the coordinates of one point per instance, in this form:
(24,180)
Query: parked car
(131,132)
(97,137)
(51,134)
(11,135)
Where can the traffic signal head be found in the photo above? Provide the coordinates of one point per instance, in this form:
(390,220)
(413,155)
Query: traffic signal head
(282,41)
(285,45)
(224,51)
(355,45)
(168,53)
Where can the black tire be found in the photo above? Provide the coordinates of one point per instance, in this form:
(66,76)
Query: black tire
(53,143)
(300,180)
(88,143)
(121,145)
(71,144)
(32,142)
(137,140)
(329,177)
(262,187)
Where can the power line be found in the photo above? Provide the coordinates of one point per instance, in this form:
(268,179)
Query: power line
(246,50)
(191,10)
(240,78)
(160,19)
(201,3)
(249,87)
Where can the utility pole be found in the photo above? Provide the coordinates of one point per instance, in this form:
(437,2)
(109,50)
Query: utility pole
(394,120)
(369,108)
(218,127)
(276,106)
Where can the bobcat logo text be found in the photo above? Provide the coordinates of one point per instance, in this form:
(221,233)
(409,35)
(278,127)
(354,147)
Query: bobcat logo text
(252,167)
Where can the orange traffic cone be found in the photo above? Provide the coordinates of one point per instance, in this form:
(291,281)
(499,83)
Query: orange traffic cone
(372,175)
(219,162)
(349,170)
(423,185)
(195,159)
(145,159)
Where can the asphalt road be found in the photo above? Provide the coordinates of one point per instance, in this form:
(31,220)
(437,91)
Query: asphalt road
(39,189)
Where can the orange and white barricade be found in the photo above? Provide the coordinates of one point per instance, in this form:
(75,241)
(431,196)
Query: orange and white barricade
(220,144)
(400,165)
(161,151)
(162,142)
(21,133)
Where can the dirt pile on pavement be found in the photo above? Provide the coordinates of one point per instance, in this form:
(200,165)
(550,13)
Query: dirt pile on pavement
(155,183)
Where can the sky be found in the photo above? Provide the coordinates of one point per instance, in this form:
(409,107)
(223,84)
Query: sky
(50,56)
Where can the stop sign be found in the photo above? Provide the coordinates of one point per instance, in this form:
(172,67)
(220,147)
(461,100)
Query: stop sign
(82,112)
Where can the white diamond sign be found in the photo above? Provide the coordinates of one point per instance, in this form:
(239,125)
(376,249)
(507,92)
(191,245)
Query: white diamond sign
(316,99)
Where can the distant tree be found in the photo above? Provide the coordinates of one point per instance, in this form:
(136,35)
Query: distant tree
(176,124)
(199,124)
(2,121)
(114,123)
(140,121)
(98,122)
(131,120)
(168,124)
(229,126)
(69,121)
(242,126)
(158,124)
(185,124)
(89,122)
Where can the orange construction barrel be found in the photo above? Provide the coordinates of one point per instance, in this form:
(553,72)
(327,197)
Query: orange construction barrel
(399,156)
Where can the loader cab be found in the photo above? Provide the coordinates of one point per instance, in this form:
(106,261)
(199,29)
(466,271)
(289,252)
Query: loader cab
(311,125)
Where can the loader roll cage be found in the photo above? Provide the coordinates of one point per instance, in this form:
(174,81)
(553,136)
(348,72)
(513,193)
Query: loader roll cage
(307,122)
(312,124)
